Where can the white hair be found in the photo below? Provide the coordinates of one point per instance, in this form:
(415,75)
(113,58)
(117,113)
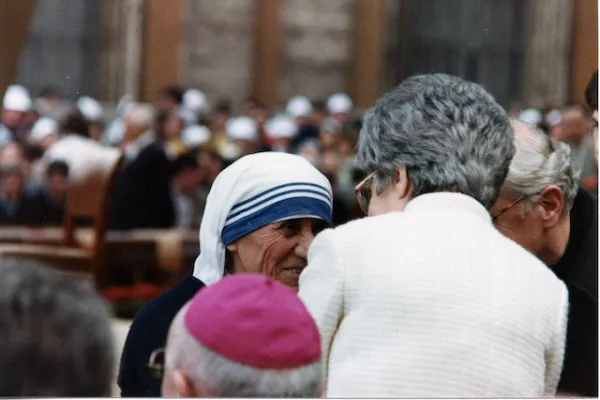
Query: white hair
(226,378)
(141,115)
(539,161)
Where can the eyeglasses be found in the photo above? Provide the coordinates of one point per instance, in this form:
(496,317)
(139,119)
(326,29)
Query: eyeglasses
(363,192)
(156,364)
(508,207)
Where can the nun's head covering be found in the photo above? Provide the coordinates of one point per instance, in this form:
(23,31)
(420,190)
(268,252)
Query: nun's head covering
(17,98)
(339,103)
(242,128)
(252,192)
(298,106)
(281,127)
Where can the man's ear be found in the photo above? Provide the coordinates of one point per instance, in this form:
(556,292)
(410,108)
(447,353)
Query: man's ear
(552,205)
(403,185)
(183,387)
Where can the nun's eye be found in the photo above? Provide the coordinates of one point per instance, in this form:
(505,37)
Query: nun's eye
(290,227)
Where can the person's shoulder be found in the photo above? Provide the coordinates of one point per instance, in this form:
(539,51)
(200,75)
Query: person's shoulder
(160,311)
(366,227)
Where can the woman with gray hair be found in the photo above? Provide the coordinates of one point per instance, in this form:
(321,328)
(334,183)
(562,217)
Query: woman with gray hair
(427,298)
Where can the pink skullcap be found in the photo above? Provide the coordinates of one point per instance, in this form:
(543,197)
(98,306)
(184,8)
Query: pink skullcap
(255,321)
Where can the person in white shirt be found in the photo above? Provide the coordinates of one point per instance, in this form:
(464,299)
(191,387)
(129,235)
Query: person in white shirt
(425,298)
(74,147)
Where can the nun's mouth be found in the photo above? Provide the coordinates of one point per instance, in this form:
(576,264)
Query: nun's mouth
(290,276)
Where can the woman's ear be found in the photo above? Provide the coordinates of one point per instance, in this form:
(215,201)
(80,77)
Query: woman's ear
(552,205)
(232,247)
(402,182)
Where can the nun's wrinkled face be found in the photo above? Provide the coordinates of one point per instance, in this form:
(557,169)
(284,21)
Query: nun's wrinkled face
(278,249)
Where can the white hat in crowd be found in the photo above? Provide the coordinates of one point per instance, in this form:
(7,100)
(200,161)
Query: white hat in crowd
(114,133)
(553,117)
(195,135)
(298,106)
(194,100)
(17,98)
(339,103)
(242,128)
(530,116)
(90,108)
(281,127)
(43,128)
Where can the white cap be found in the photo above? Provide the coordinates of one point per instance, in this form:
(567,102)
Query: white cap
(298,106)
(242,128)
(17,98)
(553,117)
(195,135)
(43,128)
(530,116)
(194,100)
(90,108)
(339,103)
(281,127)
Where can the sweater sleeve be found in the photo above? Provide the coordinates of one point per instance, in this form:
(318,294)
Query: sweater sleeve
(322,290)
(556,349)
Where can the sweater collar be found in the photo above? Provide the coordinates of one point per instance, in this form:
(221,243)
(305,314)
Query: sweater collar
(447,200)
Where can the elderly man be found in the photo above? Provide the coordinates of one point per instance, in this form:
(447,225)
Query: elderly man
(245,336)
(426,298)
(55,335)
(541,208)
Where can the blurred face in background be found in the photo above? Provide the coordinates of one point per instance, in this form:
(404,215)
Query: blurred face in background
(11,154)
(11,183)
(172,127)
(218,122)
(210,165)
(96,129)
(259,115)
(188,179)
(57,184)
(12,118)
(573,127)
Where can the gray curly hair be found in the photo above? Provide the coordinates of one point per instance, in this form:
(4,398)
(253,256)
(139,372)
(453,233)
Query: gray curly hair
(450,134)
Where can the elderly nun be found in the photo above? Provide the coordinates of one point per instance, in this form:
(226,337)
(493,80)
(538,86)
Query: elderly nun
(261,215)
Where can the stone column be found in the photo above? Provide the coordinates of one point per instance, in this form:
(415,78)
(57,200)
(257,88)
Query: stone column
(548,32)
(121,48)
(316,48)
(217,47)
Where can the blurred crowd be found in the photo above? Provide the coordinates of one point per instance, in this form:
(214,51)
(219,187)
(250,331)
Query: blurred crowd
(173,149)
(176,147)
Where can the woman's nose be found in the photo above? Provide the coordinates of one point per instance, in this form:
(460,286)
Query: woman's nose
(304,240)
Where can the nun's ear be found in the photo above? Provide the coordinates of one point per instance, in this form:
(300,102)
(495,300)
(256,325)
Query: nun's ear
(232,247)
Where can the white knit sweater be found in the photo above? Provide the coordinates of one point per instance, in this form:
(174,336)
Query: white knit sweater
(434,302)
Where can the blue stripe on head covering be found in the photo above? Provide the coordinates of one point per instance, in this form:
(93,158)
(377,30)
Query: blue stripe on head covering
(287,207)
